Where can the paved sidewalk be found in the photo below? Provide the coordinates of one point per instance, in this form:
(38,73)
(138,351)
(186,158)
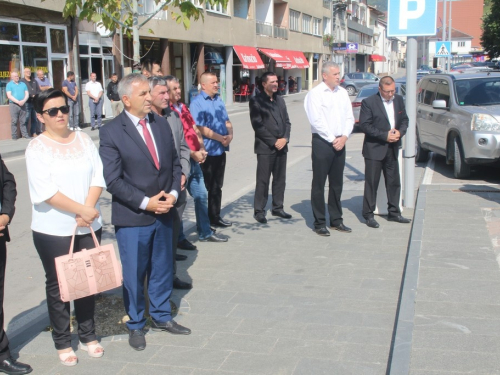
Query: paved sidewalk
(276,299)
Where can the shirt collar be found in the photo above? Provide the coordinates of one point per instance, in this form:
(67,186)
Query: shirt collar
(326,88)
(135,120)
(387,101)
(207,97)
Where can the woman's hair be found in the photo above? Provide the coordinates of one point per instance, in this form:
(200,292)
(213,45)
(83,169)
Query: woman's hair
(42,97)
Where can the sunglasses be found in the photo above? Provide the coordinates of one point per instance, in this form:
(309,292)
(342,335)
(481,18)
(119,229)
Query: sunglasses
(52,112)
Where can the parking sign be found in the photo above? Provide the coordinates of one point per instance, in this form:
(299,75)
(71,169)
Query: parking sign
(411,17)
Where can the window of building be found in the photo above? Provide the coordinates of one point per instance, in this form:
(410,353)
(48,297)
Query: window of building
(196,3)
(354,36)
(148,7)
(461,44)
(316,26)
(33,34)
(294,20)
(315,67)
(57,41)
(9,31)
(306,24)
(218,8)
(327,26)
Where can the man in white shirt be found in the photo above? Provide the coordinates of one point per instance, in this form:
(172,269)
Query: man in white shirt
(94,91)
(329,111)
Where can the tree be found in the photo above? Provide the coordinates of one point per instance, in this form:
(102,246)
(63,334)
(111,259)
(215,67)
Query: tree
(490,40)
(113,14)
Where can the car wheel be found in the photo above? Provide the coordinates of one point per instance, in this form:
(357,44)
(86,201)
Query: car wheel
(351,90)
(460,168)
(421,154)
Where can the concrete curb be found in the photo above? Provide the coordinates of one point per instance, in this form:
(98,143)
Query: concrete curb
(400,354)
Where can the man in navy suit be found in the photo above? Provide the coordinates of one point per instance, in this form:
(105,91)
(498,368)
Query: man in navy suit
(143,174)
(384,121)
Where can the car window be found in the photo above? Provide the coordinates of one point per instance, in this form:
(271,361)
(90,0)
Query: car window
(403,90)
(369,76)
(358,76)
(366,92)
(429,93)
(443,91)
(421,90)
(350,75)
(481,91)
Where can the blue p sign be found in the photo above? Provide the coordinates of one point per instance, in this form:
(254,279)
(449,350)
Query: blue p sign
(411,17)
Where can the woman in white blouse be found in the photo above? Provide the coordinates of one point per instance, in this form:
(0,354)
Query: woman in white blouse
(65,181)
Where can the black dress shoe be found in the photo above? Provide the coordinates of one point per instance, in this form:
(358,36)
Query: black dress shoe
(214,238)
(221,223)
(261,218)
(170,326)
(179,284)
(92,129)
(372,223)
(11,366)
(341,228)
(281,214)
(136,339)
(185,245)
(399,219)
(180,257)
(322,232)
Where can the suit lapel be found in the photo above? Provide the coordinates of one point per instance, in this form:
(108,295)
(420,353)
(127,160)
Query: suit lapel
(133,133)
(382,108)
(157,135)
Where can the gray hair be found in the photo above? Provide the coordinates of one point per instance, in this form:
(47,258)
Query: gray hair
(171,79)
(155,81)
(125,85)
(327,65)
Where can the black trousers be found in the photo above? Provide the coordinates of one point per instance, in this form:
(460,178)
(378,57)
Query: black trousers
(274,164)
(326,163)
(4,341)
(48,248)
(179,207)
(373,168)
(213,173)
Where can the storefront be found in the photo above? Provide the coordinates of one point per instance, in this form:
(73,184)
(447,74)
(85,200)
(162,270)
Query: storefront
(34,45)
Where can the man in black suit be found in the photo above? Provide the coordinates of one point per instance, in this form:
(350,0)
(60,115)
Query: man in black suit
(8,195)
(270,121)
(384,121)
(143,174)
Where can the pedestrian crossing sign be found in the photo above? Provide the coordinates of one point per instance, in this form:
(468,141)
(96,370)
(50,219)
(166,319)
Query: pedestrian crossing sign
(443,49)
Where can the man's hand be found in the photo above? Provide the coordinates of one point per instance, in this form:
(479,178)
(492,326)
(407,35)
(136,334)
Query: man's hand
(4,220)
(199,156)
(280,143)
(227,140)
(393,136)
(183,182)
(159,206)
(170,200)
(339,143)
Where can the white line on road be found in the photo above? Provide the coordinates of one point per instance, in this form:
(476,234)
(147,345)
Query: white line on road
(13,159)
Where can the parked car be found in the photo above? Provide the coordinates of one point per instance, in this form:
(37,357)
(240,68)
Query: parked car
(370,90)
(460,67)
(458,116)
(352,82)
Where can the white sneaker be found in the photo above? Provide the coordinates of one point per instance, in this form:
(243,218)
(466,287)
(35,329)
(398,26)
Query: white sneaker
(77,128)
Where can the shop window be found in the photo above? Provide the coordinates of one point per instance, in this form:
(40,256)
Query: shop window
(84,50)
(9,61)
(33,34)
(9,31)
(107,50)
(57,41)
(84,70)
(35,58)
(96,50)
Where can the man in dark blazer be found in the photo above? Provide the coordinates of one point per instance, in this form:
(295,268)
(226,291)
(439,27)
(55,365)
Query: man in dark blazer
(270,121)
(8,195)
(384,121)
(143,175)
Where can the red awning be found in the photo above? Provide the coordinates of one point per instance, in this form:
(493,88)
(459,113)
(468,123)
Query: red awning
(377,58)
(297,60)
(249,57)
(276,55)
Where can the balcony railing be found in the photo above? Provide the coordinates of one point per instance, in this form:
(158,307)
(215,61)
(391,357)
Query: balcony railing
(264,28)
(280,32)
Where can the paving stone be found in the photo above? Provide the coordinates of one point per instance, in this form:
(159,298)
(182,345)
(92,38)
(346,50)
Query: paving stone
(259,364)
(272,328)
(189,357)
(464,342)
(241,343)
(309,366)
(458,361)
(362,353)
(148,369)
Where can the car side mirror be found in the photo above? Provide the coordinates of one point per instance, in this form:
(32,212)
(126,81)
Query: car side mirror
(439,104)
(376,79)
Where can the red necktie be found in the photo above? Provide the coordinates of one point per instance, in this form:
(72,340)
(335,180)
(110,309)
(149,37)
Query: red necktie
(149,142)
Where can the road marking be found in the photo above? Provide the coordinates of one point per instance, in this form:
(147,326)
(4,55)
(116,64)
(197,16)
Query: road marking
(429,171)
(7,160)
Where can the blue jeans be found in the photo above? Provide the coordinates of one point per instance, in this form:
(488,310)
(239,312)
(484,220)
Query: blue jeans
(95,109)
(196,188)
(74,113)
(31,114)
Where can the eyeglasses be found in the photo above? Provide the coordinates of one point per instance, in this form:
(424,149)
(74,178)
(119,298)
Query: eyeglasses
(388,92)
(52,112)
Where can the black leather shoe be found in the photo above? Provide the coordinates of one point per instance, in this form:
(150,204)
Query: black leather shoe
(170,326)
(214,238)
(221,223)
(261,218)
(372,223)
(322,232)
(185,245)
(11,366)
(281,214)
(341,228)
(399,219)
(180,257)
(92,129)
(136,339)
(179,284)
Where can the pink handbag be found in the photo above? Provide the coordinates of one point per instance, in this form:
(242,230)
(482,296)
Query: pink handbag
(88,272)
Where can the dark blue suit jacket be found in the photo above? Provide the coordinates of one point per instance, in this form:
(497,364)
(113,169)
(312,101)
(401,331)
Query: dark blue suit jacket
(129,169)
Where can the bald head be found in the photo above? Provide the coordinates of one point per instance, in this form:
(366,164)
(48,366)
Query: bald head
(209,84)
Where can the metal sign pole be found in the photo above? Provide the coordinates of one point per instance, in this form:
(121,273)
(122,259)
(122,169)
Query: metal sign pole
(411,110)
